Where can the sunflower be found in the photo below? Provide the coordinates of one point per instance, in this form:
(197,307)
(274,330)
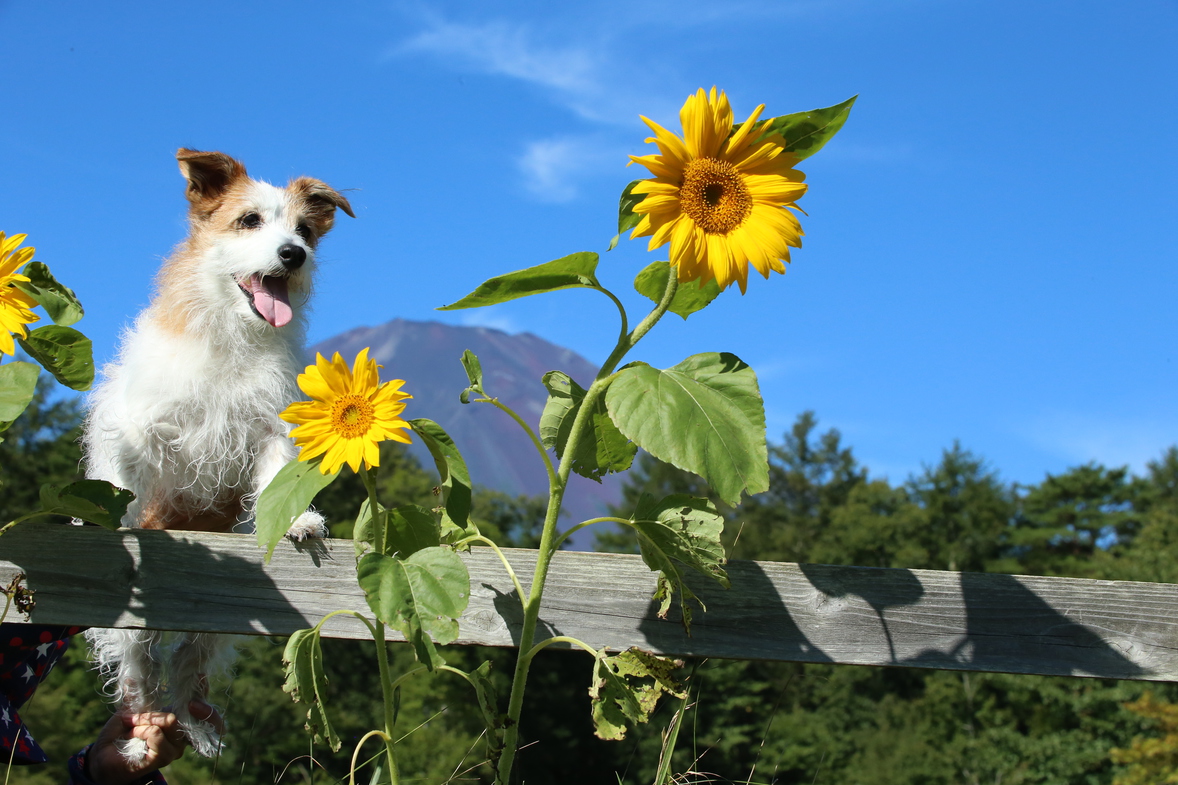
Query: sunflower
(350,414)
(14,304)
(717,196)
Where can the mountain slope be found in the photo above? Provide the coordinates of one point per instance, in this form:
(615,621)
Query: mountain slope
(497,451)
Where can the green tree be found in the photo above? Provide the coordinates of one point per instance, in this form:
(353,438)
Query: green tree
(40,447)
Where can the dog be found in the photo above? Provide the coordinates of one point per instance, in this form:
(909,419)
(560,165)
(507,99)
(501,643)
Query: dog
(187,416)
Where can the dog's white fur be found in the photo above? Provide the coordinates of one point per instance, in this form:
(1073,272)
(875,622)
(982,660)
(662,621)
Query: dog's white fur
(187,417)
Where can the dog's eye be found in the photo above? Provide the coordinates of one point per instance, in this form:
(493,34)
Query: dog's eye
(304,231)
(250,221)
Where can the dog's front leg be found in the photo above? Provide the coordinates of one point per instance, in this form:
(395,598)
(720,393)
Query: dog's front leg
(278,452)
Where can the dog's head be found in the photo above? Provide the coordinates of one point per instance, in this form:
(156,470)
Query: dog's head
(256,242)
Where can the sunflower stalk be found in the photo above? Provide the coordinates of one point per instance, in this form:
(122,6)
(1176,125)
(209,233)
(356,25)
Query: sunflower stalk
(549,541)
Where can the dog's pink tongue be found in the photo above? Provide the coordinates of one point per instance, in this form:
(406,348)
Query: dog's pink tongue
(271,299)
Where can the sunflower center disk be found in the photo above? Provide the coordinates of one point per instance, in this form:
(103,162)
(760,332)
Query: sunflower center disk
(351,416)
(714,195)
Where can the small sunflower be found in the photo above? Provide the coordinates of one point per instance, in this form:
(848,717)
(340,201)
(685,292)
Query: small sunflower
(14,304)
(350,414)
(717,197)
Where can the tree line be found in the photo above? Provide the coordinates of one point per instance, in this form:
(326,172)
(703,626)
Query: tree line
(747,722)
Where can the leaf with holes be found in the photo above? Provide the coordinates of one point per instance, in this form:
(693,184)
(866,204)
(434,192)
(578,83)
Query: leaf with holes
(626,688)
(568,272)
(287,497)
(680,530)
(58,300)
(602,447)
(689,297)
(421,596)
(704,415)
(306,682)
(96,501)
(64,352)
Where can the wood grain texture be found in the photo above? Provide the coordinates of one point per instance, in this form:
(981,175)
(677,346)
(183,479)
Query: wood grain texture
(796,612)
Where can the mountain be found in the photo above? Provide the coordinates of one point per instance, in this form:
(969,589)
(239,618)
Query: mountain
(497,451)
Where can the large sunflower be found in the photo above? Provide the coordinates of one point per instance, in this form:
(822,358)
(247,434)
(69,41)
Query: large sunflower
(350,414)
(717,196)
(14,304)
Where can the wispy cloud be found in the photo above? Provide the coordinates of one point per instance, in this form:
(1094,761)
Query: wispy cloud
(1119,441)
(490,317)
(551,168)
(512,50)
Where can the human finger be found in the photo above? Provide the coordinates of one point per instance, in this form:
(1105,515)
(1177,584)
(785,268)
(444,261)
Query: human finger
(206,713)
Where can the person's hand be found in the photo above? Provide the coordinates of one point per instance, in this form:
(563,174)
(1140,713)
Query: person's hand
(160,734)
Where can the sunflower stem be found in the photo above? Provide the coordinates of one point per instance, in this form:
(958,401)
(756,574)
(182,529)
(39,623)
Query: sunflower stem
(387,690)
(628,342)
(549,542)
(378,527)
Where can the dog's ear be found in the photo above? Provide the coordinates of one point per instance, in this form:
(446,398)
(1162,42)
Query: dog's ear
(321,201)
(208,176)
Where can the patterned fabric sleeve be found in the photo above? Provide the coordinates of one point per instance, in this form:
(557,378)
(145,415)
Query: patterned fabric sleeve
(27,653)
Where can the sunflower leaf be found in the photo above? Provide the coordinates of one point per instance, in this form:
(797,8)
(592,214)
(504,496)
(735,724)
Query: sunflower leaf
(704,415)
(18,383)
(96,501)
(568,272)
(626,688)
(680,529)
(474,375)
(58,300)
(627,218)
(689,297)
(64,352)
(602,448)
(306,682)
(805,133)
(456,485)
(287,497)
(421,595)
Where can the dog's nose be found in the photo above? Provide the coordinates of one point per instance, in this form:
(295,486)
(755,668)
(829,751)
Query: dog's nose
(292,256)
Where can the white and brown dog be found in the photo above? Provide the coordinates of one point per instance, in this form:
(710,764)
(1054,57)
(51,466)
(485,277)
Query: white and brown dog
(187,417)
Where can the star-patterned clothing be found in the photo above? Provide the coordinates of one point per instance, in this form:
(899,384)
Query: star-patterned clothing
(27,653)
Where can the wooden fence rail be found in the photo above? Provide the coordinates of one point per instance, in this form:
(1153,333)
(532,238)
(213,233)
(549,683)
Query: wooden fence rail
(795,612)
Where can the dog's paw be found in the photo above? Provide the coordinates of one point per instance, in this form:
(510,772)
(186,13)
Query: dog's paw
(204,737)
(308,526)
(133,750)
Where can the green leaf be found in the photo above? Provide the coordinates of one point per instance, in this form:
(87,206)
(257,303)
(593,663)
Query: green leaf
(704,415)
(602,447)
(18,383)
(689,297)
(421,596)
(96,501)
(456,485)
(407,529)
(680,529)
(572,271)
(627,218)
(64,352)
(474,375)
(484,690)
(626,688)
(58,300)
(287,497)
(306,682)
(806,133)
(410,529)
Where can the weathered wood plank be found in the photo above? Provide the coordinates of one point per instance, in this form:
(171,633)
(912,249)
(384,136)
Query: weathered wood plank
(808,613)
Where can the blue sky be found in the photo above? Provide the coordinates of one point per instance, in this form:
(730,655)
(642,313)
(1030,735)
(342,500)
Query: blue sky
(989,252)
